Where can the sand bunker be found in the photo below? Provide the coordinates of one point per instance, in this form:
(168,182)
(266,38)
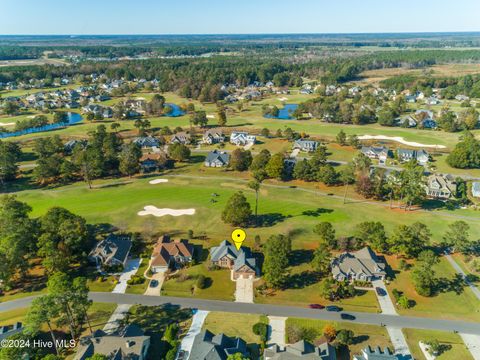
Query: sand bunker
(283,99)
(209,116)
(6,124)
(158,181)
(153,210)
(400,140)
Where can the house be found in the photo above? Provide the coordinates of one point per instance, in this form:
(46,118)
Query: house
(112,251)
(217,158)
(207,346)
(241,262)
(432,101)
(213,137)
(461,97)
(408,121)
(167,254)
(406,155)
(70,145)
(152,162)
(362,265)
(130,343)
(147,141)
(429,124)
(8,330)
(410,98)
(240,138)
(180,138)
(305,145)
(380,153)
(301,350)
(476,189)
(441,186)
(376,354)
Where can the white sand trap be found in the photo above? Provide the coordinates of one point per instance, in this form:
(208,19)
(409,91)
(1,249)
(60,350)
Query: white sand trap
(283,99)
(6,124)
(153,210)
(209,116)
(158,181)
(400,140)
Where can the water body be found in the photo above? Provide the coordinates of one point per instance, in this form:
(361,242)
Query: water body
(73,118)
(176,111)
(285,113)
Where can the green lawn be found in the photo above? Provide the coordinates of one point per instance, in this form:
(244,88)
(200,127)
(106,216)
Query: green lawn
(364,334)
(219,285)
(232,324)
(445,305)
(456,351)
(139,288)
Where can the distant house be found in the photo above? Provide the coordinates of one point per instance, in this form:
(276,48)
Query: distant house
(9,330)
(170,254)
(362,265)
(241,262)
(376,354)
(461,97)
(380,153)
(432,101)
(217,158)
(410,98)
(409,120)
(70,145)
(112,251)
(441,186)
(301,350)
(213,137)
(146,141)
(152,162)
(429,124)
(426,119)
(180,138)
(305,145)
(240,138)
(476,189)
(128,344)
(207,346)
(405,155)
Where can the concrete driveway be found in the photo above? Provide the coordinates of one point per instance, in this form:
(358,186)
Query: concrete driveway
(244,290)
(155,291)
(197,323)
(276,330)
(130,269)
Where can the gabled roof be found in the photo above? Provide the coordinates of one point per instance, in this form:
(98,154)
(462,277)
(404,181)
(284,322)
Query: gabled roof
(242,257)
(220,156)
(207,346)
(363,261)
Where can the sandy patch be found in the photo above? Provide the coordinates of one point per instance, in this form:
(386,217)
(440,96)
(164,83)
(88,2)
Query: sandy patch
(400,140)
(6,124)
(211,116)
(283,99)
(153,210)
(158,181)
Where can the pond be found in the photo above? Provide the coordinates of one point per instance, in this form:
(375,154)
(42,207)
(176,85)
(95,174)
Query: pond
(285,112)
(73,118)
(176,111)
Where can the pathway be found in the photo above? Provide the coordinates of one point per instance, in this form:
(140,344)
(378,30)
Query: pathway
(276,330)
(196,327)
(122,309)
(459,270)
(396,335)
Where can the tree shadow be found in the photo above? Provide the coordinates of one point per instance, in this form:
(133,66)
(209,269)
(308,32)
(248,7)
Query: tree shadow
(300,256)
(359,339)
(317,212)
(302,280)
(267,220)
(455,284)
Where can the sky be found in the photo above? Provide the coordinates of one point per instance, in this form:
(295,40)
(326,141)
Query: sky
(235,17)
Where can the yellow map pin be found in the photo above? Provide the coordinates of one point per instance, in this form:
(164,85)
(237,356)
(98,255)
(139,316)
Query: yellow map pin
(238,236)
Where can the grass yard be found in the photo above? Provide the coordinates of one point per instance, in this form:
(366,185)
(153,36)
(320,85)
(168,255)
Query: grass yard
(101,284)
(364,334)
(232,324)
(140,288)
(445,305)
(457,349)
(219,285)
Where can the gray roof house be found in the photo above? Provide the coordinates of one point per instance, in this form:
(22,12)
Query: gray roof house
(213,137)
(180,138)
(305,145)
(406,155)
(113,250)
(146,141)
(217,158)
(476,189)
(207,346)
(380,153)
(301,350)
(376,354)
(441,186)
(9,330)
(128,344)
(241,262)
(241,138)
(362,265)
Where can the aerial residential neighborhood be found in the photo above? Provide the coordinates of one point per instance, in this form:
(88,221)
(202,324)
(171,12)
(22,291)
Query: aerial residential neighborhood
(261,180)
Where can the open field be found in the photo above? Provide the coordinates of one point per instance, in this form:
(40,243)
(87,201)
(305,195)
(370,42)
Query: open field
(453,301)
(364,334)
(457,349)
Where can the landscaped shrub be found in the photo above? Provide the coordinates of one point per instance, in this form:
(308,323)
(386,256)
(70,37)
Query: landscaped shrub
(396,294)
(136,280)
(260,329)
(182,277)
(201,282)
(296,333)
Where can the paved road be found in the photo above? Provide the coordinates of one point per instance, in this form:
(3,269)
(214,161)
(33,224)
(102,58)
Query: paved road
(459,270)
(274,310)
